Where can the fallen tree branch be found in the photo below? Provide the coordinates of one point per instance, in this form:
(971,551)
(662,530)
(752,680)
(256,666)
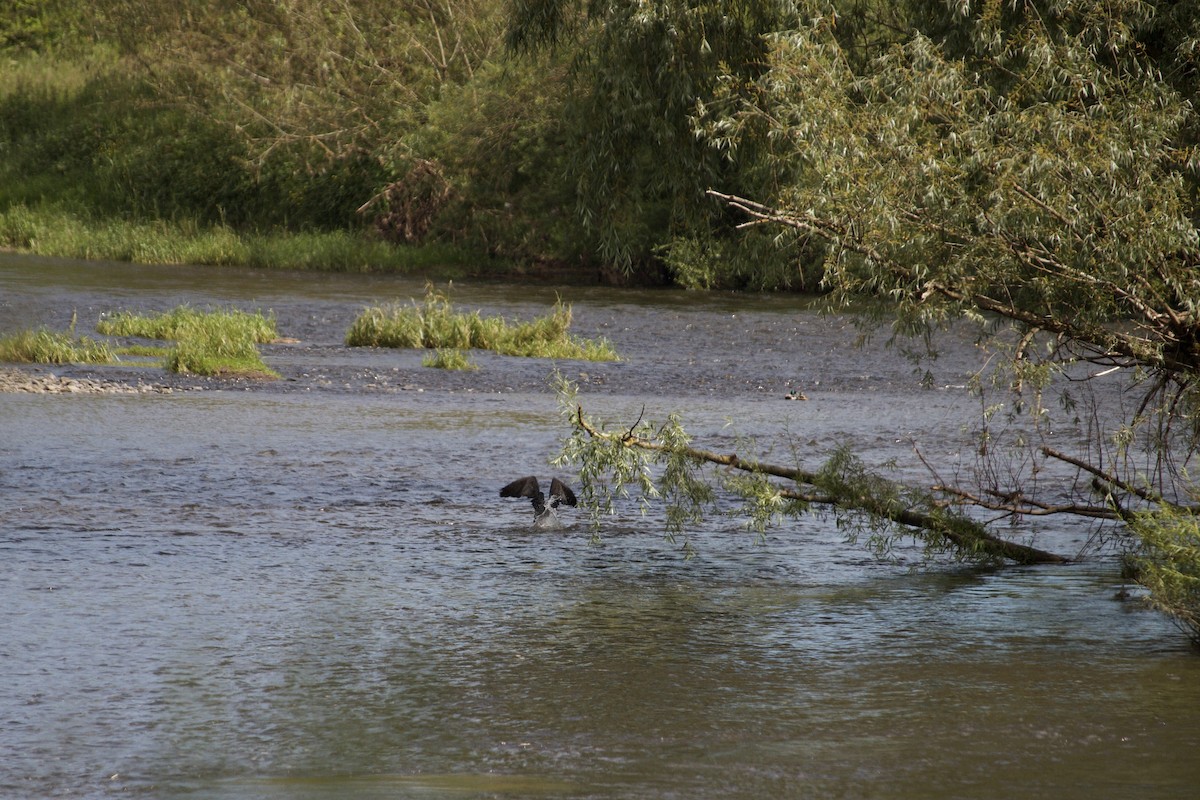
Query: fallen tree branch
(955,530)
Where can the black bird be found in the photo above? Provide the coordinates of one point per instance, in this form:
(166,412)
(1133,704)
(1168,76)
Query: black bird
(544,511)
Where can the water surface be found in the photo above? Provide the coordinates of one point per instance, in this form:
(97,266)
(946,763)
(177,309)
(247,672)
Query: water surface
(311,590)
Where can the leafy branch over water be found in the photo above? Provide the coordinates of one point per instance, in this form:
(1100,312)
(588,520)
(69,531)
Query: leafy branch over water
(661,464)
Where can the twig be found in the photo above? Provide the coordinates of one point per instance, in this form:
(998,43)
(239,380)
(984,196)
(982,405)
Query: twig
(632,427)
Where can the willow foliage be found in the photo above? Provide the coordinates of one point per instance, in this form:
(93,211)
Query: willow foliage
(1032,163)
(639,70)
(1033,181)
(1062,197)
(1028,166)
(661,466)
(1169,565)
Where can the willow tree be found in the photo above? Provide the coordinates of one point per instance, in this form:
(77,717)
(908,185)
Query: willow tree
(1040,180)
(639,68)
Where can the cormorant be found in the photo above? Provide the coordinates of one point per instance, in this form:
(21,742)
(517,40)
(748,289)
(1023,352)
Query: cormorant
(544,511)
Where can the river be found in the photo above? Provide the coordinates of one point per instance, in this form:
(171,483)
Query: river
(309,588)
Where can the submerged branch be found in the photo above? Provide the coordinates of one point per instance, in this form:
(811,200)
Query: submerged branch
(1018,505)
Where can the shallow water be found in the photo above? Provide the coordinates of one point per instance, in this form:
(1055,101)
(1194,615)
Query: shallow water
(310,590)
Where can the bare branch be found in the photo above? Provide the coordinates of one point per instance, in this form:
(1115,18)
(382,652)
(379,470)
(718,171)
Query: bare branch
(1107,477)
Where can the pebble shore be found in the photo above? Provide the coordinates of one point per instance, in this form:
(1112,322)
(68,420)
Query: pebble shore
(15,380)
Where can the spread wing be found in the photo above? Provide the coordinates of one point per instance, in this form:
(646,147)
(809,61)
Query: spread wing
(562,492)
(522,487)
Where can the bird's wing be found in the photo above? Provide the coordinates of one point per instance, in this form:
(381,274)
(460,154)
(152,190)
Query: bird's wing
(562,491)
(521,487)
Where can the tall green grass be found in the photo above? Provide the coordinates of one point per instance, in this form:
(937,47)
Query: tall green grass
(53,347)
(435,324)
(217,355)
(51,230)
(185,322)
(48,73)
(447,358)
(216,342)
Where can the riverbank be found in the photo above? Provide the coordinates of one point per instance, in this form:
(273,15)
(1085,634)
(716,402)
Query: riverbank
(56,233)
(59,233)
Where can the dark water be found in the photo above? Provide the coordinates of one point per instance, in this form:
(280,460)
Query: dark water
(310,589)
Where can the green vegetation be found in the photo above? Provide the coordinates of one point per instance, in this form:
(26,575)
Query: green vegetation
(211,353)
(449,358)
(221,343)
(1168,564)
(53,347)
(103,160)
(1028,168)
(141,351)
(461,133)
(218,342)
(660,463)
(49,230)
(185,322)
(435,324)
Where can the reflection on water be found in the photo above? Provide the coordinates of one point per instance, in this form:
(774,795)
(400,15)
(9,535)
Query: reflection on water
(290,594)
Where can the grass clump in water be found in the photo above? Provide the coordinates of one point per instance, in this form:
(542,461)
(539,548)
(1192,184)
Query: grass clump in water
(215,354)
(53,347)
(184,322)
(435,324)
(449,358)
(141,350)
(218,342)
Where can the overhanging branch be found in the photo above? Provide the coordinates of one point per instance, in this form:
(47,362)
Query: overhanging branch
(954,530)
(1151,351)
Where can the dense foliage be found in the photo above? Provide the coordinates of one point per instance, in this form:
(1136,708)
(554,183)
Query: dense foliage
(586,133)
(1028,163)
